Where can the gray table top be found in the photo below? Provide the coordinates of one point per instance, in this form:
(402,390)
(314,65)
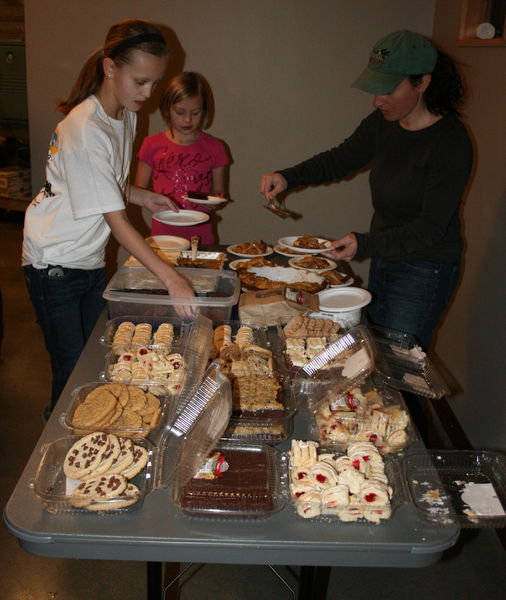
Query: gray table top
(158,531)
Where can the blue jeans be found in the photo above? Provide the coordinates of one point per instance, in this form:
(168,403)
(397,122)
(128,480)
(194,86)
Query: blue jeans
(411,296)
(67,303)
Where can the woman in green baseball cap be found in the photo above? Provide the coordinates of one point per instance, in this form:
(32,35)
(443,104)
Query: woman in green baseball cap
(421,157)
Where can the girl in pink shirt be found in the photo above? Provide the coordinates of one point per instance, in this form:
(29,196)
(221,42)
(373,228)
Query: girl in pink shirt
(183,158)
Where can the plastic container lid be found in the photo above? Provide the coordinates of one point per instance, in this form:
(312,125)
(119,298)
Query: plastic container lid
(201,422)
(402,364)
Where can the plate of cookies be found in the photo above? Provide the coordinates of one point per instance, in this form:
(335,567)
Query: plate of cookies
(113,477)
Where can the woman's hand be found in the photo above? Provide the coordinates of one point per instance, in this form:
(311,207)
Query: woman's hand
(272,185)
(343,249)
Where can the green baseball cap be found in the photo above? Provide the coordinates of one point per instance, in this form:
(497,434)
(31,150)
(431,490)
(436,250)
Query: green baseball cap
(393,58)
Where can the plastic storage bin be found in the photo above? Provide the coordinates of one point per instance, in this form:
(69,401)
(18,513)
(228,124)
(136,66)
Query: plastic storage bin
(136,291)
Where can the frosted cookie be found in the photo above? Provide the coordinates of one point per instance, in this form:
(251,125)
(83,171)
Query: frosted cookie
(374,493)
(352,478)
(352,512)
(342,463)
(98,489)
(303,454)
(334,499)
(323,474)
(164,335)
(85,455)
(397,439)
(299,473)
(123,336)
(309,505)
(375,515)
(142,334)
(302,487)
(244,336)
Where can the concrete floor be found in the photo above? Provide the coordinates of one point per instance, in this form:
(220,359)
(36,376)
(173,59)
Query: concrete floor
(473,569)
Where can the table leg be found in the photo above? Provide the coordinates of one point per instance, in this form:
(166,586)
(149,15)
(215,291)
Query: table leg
(313,583)
(154,580)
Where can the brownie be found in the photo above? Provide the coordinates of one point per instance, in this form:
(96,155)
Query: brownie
(243,487)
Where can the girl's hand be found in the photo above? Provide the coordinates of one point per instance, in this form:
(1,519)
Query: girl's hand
(343,249)
(179,287)
(150,200)
(272,185)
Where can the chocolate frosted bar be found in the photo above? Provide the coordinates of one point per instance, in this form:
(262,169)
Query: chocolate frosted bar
(242,488)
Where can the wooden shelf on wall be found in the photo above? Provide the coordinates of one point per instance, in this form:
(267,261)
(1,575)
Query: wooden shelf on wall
(476,12)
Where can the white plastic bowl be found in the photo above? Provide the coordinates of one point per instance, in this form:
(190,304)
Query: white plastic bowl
(343,305)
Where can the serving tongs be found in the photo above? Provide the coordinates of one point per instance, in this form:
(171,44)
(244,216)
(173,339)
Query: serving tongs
(280,210)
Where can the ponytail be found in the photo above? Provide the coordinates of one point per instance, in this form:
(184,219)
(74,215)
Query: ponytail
(88,82)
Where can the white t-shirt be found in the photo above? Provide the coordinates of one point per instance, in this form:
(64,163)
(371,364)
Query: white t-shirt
(85,178)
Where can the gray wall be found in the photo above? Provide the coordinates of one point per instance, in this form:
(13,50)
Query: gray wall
(280,73)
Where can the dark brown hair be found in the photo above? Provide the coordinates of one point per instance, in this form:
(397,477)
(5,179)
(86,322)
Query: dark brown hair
(186,85)
(446,91)
(91,76)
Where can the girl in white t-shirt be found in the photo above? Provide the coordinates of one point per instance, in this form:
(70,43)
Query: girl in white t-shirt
(83,200)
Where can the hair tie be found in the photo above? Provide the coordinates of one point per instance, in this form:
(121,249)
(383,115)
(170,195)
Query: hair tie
(135,41)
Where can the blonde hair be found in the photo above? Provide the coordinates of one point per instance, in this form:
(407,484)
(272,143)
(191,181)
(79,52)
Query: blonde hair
(122,39)
(186,85)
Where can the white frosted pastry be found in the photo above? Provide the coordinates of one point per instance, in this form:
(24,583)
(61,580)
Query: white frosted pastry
(299,473)
(323,474)
(352,512)
(375,515)
(334,499)
(374,493)
(302,487)
(352,478)
(309,505)
(303,453)
(342,463)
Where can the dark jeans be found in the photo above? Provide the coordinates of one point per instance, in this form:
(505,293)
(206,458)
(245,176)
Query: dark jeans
(411,296)
(67,303)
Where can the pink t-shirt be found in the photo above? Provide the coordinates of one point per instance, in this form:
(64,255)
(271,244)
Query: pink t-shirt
(178,169)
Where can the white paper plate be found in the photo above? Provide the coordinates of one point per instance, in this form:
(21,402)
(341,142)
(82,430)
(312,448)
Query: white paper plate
(294,262)
(168,242)
(209,201)
(183,218)
(230,249)
(343,299)
(284,251)
(347,283)
(288,243)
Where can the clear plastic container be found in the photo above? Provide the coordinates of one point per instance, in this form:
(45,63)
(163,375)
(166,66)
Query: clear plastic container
(180,368)
(466,488)
(369,412)
(342,365)
(54,489)
(255,485)
(252,366)
(136,291)
(401,363)
(347,499)
(142,412)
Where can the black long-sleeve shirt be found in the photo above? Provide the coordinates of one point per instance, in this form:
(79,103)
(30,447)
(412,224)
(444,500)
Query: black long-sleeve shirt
(417,181)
